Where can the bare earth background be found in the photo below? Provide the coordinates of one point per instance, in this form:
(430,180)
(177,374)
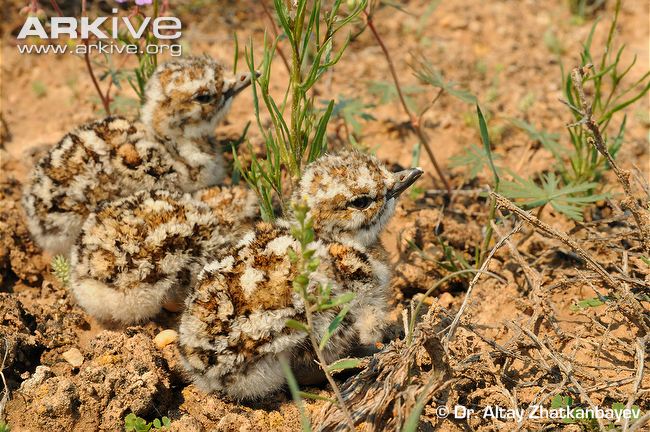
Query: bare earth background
(498,50)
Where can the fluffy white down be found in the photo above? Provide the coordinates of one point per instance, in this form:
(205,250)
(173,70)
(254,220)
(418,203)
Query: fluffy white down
(105,303)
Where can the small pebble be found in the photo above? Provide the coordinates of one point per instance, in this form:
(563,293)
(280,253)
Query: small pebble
(164,338)
(74,357)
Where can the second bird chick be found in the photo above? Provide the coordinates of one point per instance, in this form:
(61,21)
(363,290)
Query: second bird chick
(171,146)
(233,330)
(140,253)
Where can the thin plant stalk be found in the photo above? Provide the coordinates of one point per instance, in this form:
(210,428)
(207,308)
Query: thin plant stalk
(324,366)
(485,138)
(304,233)
(274,27)
(413,119)
(104,98)
(89,67)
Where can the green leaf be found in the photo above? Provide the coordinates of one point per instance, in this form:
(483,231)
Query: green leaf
(129,421)
(474,158)
(236,55)
(352,110)
(342,364)
(295,394)
(589,303)
(548,140)
(568,200)
(334,325)
(560,401)
(387,92)
(319,143)
(300,282)
(157,423)
(413,420)
(338,301)
(166,421)
(314,396)
(293,257)
(313,264)
(426,73)
(297,325)
(486,145)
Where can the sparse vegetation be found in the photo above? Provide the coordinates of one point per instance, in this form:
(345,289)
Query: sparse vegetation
(573,184)
(317,298)
(290,145)
(352,113)
(525,286)
(133,423)
(39,89)
(61,269)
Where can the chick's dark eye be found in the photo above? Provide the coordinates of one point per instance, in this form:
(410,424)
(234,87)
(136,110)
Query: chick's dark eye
(204,98)
(361,202)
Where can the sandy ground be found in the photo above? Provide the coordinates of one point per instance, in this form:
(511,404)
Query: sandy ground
(497,50)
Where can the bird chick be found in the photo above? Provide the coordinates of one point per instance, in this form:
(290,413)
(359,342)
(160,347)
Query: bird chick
(233,331)
(142,252)
(171,146)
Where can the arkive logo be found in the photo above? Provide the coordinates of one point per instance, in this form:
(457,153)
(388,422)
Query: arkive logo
(82,27)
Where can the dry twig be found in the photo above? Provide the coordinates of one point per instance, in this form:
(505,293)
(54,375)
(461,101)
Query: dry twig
(472,284)
(414,121)
(640,214)
(640,361)
(567,369)
(636,311)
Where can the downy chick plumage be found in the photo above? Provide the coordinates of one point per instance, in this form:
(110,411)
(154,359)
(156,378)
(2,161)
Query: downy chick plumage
(142,252)
(170,147)
(233,329)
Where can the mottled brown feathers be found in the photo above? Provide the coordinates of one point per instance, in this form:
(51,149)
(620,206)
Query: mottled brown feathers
(148,248)
(168,148)
(233,329)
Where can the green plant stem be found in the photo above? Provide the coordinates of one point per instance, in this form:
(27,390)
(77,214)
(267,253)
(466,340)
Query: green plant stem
(323,364)
(485,138)
(296,97)
(275,35)
(295,112)
(488,232)
(413,120)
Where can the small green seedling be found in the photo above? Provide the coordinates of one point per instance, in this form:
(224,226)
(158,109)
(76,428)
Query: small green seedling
(61,269)
(317,298)
(133,423)
(39,88)
(589,303)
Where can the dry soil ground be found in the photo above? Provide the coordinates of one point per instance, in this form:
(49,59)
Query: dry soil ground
(520,341)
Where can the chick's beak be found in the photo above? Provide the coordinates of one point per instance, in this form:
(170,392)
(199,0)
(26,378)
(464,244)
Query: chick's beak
(237,84)
(404,179)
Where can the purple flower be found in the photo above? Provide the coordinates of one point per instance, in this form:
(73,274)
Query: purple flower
(137,2)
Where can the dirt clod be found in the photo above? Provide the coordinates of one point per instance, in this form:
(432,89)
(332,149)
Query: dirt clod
(125,374)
